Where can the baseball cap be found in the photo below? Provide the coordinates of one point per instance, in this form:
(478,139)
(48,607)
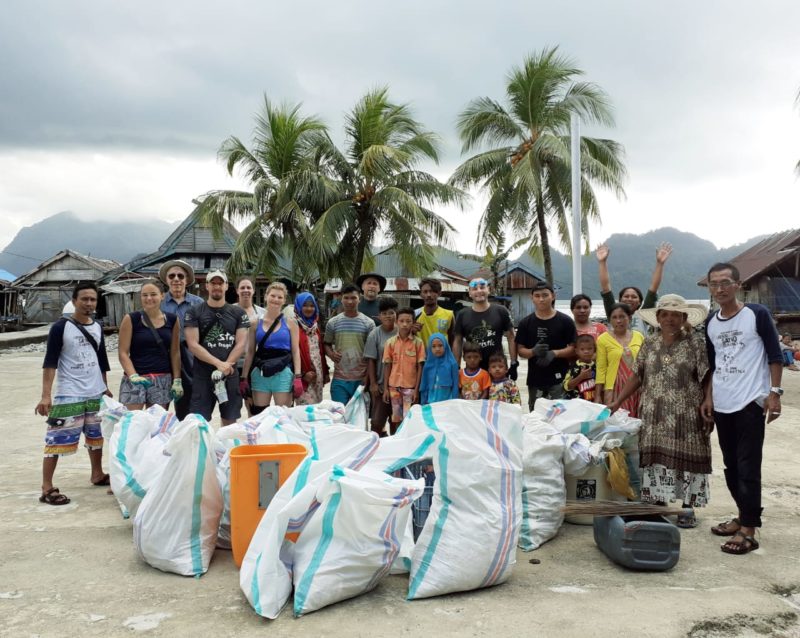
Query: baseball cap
(217,273)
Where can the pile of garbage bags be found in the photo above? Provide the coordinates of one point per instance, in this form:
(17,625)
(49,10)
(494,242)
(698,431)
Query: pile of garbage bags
(342,520)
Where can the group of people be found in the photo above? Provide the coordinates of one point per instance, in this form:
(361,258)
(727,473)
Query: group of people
(650,360)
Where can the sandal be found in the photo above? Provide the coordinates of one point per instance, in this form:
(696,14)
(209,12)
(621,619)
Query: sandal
(54,497)
(106,480)
(687,521)
(728,528)
(744,546)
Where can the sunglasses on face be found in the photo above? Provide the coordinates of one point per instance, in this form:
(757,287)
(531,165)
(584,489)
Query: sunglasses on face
(176,275)
(478,282)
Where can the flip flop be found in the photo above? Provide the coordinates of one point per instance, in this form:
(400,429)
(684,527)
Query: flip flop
(106,480)
(745,546)
(54,497)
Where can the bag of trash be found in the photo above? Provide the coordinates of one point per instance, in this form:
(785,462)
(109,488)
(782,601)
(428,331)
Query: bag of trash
(175,528)
(573,415)
(471,532)
(111,412)
(266,573)
(544,490)
(350,542)
(136,457)
(356,412)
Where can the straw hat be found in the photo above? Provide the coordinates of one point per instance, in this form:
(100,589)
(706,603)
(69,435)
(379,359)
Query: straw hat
(695,313)
(162,272)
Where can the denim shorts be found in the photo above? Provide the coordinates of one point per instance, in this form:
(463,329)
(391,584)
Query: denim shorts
(281,382)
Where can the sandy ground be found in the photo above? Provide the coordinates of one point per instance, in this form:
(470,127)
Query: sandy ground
(68,571)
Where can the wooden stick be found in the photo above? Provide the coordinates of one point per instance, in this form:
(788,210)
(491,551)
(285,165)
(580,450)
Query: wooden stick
(620,508)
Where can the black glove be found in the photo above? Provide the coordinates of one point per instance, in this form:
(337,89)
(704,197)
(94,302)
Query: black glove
(546,359)
(513,370)
(540,349)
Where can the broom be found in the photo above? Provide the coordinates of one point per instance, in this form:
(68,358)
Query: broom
(620,508)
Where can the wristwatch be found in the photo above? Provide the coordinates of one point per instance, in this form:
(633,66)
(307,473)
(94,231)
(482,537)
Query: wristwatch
(776,390)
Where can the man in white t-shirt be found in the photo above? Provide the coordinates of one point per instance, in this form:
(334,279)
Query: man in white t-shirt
(76,350)
(745,358)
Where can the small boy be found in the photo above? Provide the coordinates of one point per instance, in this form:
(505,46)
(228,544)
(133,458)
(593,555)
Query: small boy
(580,380)
(403,357)
(503,388)
(473,380)
(379,411)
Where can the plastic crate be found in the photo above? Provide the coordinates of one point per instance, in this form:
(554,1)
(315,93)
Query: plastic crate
(422,506)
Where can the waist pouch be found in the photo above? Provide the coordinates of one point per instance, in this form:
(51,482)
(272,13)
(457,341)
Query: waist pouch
(271,361)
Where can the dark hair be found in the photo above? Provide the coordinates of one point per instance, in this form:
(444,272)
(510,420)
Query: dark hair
(724,265)
(635,289)
(245,278)
(153,282)
(350,288)
(435,284)
(543,285)
(585,337)
(579,297)
(470,346)
(84,285)
(498,356)
(620,306)
(405,311)
(387,303)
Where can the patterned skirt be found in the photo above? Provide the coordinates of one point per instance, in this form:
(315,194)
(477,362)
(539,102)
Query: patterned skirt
(663,485)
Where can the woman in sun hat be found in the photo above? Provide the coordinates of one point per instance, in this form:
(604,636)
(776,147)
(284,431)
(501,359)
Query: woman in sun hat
(674,441)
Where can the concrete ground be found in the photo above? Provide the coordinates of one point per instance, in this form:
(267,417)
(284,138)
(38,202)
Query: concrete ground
(69,571)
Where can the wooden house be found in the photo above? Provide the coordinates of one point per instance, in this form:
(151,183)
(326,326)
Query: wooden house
(47,288)
(770,275)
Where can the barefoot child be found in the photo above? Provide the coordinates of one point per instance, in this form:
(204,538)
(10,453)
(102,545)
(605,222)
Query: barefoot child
(473,379)
(440,372)
(580,380)
(503,388)
(403,357)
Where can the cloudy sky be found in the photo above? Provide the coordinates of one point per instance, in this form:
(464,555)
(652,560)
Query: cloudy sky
(117,109)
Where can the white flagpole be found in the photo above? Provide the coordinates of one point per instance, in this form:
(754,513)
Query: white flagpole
(577,282)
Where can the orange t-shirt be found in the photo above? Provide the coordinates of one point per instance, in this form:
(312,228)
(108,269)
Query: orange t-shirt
(473,385)
(405,355)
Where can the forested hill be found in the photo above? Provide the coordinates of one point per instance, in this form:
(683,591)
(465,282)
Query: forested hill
(118,240)
(633,256)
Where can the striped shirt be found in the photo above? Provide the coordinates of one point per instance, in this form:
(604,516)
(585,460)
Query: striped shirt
(348,335)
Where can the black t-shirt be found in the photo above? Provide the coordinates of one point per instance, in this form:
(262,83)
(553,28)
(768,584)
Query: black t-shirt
(217,328)
(558,333)
(486,329)
(370,308)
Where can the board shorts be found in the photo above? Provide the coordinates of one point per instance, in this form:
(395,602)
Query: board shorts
(68,417)
(158,393)
(342,391)
(402,399)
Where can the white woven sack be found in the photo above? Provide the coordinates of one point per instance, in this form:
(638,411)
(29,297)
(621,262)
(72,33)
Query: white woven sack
(175,529)
(266,573)
(351,541)
(470,536)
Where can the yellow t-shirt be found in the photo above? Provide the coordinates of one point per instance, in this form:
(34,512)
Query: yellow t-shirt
(439,321)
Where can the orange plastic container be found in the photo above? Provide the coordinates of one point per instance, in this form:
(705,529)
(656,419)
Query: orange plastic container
(256,472)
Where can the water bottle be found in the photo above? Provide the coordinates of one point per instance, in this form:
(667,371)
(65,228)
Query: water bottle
(219,386)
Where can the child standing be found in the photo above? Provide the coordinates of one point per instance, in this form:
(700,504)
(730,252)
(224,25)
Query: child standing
(440,372)
(379,412)
(403,357)
(473,380)
(580,380)
(503,388)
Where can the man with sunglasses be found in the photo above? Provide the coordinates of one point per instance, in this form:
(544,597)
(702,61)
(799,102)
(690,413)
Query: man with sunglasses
(485,324)
(742,394)
(178,275)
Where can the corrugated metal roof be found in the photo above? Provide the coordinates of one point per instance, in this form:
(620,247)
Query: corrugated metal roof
(785,295)
(401,284)
(765,254)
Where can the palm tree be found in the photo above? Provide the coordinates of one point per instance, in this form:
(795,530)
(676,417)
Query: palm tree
(378,188)
(286,195)
(526,171)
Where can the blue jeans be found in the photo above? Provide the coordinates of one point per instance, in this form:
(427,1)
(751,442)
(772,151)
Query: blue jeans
(342,391)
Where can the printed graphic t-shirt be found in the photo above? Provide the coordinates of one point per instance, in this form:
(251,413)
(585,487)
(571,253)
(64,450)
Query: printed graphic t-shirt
(558,332)
(485,329)
(79,368)
(218,327)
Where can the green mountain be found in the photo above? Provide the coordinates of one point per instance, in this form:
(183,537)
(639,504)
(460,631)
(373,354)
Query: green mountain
(632,259)
(120,241)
